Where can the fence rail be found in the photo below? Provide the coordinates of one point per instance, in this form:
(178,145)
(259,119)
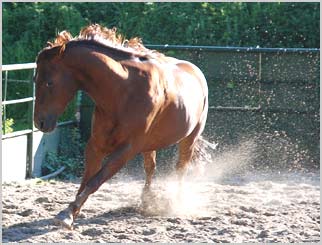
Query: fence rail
(233,49)
(10,102)
(14,67)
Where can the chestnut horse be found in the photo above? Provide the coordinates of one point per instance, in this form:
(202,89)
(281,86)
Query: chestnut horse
(144,101)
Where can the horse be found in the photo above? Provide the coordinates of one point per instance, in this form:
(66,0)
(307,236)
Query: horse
(144,101)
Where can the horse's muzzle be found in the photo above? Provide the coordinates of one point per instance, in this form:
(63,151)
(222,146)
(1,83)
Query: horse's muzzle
(46,124)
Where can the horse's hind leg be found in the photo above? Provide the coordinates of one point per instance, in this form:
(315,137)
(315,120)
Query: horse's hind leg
(186,149)
(149,167)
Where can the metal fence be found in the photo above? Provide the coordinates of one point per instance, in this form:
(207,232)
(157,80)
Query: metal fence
(268,95)
(31,130)
(221,67)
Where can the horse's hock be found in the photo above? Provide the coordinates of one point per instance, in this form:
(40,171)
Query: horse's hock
(270,96)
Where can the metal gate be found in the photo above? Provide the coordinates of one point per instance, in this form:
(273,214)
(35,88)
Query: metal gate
(23,151)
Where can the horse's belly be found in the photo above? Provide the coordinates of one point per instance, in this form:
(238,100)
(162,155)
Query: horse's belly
(176,122)
(165,135)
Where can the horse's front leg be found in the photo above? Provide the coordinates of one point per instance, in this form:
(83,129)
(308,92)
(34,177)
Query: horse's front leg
(93,163)
(113,164)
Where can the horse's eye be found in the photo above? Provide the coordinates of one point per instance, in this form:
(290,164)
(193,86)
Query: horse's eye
(49,84)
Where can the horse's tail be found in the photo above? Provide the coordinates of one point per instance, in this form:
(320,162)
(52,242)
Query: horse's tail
(202,154)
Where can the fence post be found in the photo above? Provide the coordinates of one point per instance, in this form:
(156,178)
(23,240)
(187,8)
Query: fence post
(260,79)
(86,111)
(30,136)
(5,98)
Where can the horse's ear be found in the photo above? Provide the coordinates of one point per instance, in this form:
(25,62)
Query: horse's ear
(50,44)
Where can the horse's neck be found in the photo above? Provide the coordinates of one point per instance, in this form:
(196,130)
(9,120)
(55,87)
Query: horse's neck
(99,75)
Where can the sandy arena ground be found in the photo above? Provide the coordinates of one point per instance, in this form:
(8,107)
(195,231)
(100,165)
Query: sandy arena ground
(249,207)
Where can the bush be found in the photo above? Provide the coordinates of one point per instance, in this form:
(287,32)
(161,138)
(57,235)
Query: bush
(70,155)
(7,126)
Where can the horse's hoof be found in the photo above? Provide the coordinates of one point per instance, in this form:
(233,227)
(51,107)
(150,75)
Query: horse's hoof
(65,219)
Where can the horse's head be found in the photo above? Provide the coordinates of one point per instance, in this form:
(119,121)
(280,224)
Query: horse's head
(55,87)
